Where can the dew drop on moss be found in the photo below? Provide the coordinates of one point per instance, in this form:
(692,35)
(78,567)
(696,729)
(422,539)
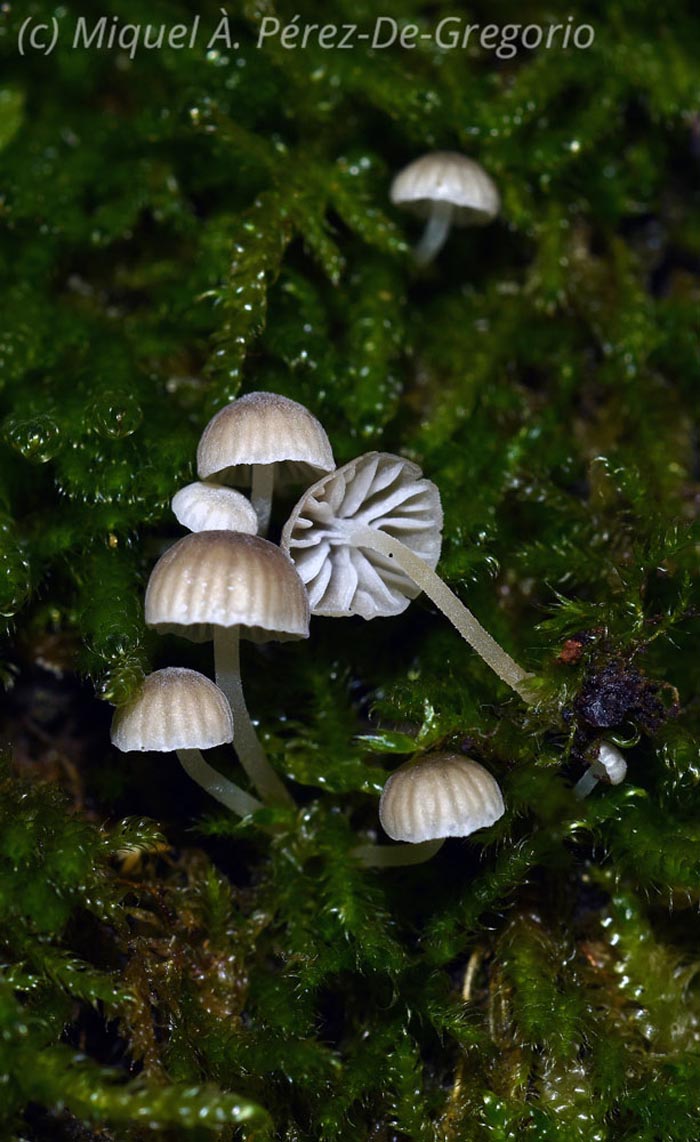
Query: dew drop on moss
(117,415)
(36,438)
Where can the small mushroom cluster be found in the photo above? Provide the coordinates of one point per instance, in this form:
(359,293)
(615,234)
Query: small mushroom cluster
(364,540)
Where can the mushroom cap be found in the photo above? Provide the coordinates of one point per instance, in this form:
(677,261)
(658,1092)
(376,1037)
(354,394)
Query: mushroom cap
(214,507)
(446,176)
(378,490)
(610,763)
(264,428)
(175,709)
(446,795)
(227,579)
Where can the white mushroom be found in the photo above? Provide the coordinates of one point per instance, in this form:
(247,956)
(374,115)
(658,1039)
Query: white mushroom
(214,507)
(609,766)
(224,586)
(429,799)
(180,710)
(446,188)
(262,440)
(366,539)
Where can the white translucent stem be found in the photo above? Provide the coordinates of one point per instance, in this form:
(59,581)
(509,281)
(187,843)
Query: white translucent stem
(245,740)
(435,233)
(395,856)
(216,784)
(585,784)
(263,485)
(461,618)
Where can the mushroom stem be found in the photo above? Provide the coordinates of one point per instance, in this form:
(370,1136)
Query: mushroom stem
(396,856)
(245,740)
(585,784)
(461,618)
(263,484)
(435,234)
(216,784)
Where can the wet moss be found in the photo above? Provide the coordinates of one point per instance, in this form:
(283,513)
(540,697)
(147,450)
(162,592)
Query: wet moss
(187,225)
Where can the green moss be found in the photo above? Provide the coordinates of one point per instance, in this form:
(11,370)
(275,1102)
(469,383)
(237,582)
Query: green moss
(189,225)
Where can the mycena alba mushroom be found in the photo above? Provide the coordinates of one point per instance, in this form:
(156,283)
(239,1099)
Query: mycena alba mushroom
(262,440)
(366,540)
(609,765)
(214,507)
(429,799)
(182,711)
(224,586)
(448,189)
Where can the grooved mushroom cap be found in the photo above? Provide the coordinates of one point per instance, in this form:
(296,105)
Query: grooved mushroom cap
(378,490)
(610,764)
(446,176)
(226,579)
(175,709)
(264,428)
(213,507)
(446,795)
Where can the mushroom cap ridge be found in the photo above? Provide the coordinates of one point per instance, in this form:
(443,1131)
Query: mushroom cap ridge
(446,176)
(227,579)
(174,709)
(443,795)
(213,507)
(264,428)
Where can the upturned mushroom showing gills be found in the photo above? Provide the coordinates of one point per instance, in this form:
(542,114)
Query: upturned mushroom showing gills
(429,799)
(262,440)
(609,765)
(226,586)
(182,711)
(448,189)
(366,539)
(214,507)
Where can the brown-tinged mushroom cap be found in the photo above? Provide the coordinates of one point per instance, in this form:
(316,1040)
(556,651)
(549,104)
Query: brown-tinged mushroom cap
(226,579)
(446,795)
(176,709)
(447,177)
(380,491)
(214,507)
(264,428)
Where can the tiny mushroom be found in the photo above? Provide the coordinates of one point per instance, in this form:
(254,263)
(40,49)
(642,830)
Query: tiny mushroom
(224,585)
(366,540)
(214,507)
(181,710)
(262,440)
(609,766)
(445,187)
(429,799)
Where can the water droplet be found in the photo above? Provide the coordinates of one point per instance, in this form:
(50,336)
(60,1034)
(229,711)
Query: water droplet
(117,414)
(36,438)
